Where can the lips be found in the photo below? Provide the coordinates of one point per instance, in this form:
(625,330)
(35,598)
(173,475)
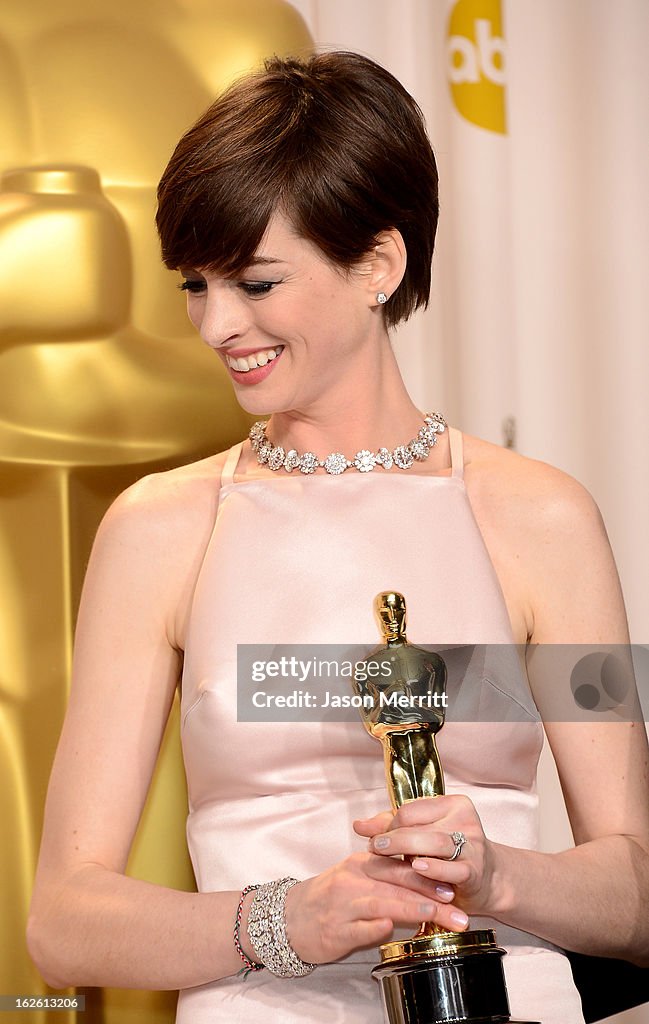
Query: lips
(252,366)
(245,362)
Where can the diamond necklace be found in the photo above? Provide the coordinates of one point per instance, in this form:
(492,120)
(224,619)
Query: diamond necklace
(403,456)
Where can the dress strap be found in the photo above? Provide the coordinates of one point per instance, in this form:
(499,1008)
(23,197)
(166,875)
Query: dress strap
(230,464)
(457,452)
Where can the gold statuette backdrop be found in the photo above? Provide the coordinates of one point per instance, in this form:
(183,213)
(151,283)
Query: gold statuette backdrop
(100,380)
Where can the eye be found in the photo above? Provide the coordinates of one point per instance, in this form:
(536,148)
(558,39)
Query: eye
(193,285)
(257,287)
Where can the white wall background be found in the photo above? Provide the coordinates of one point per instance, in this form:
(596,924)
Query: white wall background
(540,304)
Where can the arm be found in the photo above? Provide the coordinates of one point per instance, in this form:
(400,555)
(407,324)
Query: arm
(591,898)
(90,924)
(601,887)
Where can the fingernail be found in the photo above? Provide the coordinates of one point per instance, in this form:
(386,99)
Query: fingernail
(460,919)
(427,908)
(419,864)
(444,891)
(381,842)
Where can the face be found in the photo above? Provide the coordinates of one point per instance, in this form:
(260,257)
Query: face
(293,331)
(391,609)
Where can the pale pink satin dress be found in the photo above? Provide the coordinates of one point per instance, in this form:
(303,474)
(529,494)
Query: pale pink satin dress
(297,559)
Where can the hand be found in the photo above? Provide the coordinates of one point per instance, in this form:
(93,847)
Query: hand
(358,902)
(421,830)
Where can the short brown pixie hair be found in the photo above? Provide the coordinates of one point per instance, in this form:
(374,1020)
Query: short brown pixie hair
(334,142)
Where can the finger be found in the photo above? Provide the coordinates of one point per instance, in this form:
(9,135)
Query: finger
(371,826)
(413,841)
(428,855)
(400,908)
(366,933)
(411,912)
(443,891)
(451,918)
(445,873)
(400,872)
(426,810)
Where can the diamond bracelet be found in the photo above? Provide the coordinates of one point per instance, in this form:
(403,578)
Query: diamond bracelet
(267,931)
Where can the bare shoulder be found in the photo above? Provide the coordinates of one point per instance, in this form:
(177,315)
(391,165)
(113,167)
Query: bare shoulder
(166,500)
(547,540)
(513,488)
(154,537)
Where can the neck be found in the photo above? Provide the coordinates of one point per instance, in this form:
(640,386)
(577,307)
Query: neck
(371,412)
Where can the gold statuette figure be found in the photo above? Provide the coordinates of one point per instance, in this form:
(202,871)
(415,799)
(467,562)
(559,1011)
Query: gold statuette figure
(436,976)
(407,707)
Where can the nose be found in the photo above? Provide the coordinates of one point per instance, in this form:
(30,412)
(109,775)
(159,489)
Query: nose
(224,316)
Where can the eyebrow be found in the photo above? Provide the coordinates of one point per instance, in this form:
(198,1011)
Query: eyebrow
(255,261)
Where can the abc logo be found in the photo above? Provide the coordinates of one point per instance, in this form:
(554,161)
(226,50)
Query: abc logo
(476,62)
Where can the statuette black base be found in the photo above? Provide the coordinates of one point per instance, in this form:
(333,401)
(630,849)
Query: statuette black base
(452,988)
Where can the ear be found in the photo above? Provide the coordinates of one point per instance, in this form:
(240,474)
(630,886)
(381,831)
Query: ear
(386,265)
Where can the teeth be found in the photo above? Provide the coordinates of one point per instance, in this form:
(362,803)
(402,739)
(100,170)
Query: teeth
(245,363)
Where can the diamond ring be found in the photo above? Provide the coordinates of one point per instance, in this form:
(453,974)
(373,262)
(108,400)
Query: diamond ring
(459,840)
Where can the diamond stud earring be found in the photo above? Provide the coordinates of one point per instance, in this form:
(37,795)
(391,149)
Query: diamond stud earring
(381,298)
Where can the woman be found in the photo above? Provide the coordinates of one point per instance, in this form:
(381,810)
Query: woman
(301,210)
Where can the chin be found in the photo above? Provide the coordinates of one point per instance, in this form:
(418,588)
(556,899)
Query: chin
(257,404)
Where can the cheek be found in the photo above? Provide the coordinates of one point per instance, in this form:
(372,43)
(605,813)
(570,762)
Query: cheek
(195,311)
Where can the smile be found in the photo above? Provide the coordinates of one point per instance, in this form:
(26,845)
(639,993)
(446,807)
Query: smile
(243,364)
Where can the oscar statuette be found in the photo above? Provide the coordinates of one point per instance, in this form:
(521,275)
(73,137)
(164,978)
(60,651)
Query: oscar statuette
(436,976)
